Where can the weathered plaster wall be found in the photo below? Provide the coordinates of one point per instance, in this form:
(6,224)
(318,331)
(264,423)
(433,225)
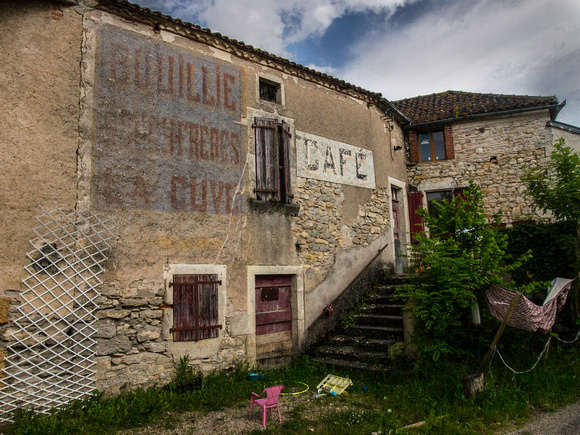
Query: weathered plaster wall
(162,127)
(493,153)
(39,81)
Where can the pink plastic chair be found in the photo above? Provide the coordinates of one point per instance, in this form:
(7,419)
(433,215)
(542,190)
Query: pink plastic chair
(271,401)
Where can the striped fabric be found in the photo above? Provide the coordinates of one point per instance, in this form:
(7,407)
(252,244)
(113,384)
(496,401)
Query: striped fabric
(527,315)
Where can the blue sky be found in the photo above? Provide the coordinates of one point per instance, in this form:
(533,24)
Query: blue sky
(405,48)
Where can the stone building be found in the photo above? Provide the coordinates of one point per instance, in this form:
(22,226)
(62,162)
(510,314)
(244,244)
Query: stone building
(454,137)
(248,192)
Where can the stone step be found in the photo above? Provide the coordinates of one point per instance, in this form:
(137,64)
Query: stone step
(376,331)
(384,320)
(353,353)
(393,309)
(362,342)
(376,367)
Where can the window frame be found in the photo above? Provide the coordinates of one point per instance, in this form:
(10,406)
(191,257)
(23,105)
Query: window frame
(264,82)
(432,156)
(272,154)
(169,306)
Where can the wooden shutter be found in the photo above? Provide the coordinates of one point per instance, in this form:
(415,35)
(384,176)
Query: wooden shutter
(415,155)
(267,167)
(448,138)
(285,159)
(460,191)
(195,307)
(416,221)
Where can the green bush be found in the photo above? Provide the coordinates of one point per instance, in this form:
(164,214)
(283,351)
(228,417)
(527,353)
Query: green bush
(553,247)
(463,253)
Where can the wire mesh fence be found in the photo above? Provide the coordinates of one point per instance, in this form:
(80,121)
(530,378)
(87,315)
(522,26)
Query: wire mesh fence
(51,355)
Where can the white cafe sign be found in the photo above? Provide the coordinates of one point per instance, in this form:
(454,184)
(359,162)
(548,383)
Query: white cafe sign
(328,160)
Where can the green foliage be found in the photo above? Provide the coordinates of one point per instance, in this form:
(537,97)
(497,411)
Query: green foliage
(463,253)
(553,247)
(557,187)
(391,401)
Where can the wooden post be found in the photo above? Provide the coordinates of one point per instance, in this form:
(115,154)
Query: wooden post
(499,332)
(475,382)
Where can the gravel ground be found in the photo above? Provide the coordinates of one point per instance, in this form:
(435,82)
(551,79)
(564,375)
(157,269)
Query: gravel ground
(565,421)
(235,420)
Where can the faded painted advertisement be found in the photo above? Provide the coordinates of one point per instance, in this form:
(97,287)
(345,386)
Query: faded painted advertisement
(165,132)
(328,160)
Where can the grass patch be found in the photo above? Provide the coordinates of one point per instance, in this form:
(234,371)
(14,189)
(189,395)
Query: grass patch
(433,395)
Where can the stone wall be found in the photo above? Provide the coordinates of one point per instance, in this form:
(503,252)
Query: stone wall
(132,339)
(494,153)
(320,230)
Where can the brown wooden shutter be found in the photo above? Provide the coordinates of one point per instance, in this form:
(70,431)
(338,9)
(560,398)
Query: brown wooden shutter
(195,307)
(415,155)
(183,308)
(267,167)
(285,152)
(416,221)
(460,191)
(208,306)
(448,138)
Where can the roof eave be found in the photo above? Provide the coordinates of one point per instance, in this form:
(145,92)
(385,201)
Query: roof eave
(553,108)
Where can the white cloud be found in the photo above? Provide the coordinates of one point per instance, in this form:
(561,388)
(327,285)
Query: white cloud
(269,24)
(522,47)
(499,46)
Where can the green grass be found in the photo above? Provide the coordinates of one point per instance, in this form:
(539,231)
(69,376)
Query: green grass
(433,395)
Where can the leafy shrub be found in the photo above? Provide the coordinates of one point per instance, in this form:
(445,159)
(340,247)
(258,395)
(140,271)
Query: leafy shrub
(461,255)
(553,247)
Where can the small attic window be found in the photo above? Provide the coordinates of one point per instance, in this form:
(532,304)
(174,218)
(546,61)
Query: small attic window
(270,91)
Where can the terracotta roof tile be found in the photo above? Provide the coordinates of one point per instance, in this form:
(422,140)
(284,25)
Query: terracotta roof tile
(456,104)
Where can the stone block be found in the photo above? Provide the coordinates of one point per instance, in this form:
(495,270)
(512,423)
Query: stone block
(4,306)
(118,344)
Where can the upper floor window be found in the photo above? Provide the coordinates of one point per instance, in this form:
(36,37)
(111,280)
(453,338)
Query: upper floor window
(270,91)
(272,160)
(432,146)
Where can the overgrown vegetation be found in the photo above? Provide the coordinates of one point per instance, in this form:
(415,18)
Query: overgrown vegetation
(432,394)
(553,248)
(462,253)
(556,188)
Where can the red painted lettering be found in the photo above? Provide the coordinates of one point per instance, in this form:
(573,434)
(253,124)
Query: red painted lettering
(198,204)
(178,182)
(229,79)
(140,194)
(217,193)
(165,78)
(208,99)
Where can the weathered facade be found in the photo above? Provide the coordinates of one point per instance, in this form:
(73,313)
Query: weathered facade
(458,136)
(248,191)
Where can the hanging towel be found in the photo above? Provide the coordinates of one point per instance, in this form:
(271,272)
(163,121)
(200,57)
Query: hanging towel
(527,315)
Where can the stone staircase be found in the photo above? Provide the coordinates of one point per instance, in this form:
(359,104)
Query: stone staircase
(363,338)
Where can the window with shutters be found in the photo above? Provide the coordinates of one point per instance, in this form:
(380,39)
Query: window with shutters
(432,146)
(195,307)
(272,160)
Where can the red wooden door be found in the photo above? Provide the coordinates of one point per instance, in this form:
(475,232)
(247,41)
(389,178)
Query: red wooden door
(273,304)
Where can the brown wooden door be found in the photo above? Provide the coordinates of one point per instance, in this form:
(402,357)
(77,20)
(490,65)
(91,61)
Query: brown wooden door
(273,320)
(395,205)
